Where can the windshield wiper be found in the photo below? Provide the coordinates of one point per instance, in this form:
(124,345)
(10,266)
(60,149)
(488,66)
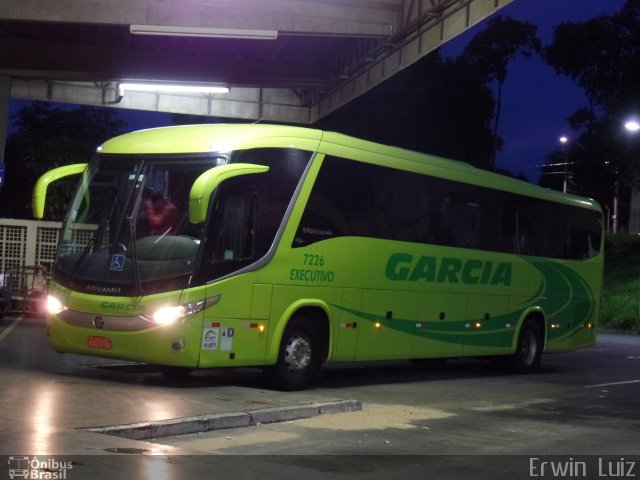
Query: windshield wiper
(134,254)
(90,246)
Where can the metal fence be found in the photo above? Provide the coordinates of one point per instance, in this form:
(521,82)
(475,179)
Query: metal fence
(27,253)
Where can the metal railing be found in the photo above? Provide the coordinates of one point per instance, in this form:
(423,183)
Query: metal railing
(27,253)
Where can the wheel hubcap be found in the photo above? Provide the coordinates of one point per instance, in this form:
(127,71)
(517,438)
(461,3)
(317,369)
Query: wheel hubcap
(298,353)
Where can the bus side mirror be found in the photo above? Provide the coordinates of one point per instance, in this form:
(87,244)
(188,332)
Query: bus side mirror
(40,190)
(205,184)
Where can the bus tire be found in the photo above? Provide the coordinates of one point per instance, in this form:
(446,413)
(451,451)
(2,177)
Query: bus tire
(526,359)
(299,357)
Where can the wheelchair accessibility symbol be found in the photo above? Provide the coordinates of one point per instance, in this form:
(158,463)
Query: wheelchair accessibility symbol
(117,262)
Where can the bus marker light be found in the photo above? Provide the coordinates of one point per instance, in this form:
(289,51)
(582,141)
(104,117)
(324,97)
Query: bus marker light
(477,325)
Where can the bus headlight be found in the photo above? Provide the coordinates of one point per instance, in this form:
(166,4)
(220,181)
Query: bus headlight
(168,315)
(54,306)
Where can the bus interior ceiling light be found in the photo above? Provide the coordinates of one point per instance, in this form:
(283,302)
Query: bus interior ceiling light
(171,88)
(205,32)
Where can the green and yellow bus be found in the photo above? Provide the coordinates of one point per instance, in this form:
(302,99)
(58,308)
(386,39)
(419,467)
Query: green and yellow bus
(284,247)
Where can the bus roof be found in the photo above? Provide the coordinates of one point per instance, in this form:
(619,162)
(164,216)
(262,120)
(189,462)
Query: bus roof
(227,137)
(211,138)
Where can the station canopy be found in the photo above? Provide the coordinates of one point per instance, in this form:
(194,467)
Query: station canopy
(290,61)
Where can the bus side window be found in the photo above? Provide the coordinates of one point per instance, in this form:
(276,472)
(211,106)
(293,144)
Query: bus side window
(341,203)
(579,244)
(441,232)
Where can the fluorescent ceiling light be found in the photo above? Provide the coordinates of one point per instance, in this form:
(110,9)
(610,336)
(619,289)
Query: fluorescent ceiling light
(178,31)
(171,88)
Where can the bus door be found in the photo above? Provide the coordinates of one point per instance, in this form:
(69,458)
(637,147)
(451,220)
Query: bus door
(231,335)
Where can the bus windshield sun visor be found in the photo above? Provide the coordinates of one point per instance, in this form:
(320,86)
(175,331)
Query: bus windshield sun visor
(206,183)
(40,190)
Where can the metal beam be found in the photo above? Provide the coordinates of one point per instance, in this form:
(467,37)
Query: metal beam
(377,19)
(425,29)
(266,104)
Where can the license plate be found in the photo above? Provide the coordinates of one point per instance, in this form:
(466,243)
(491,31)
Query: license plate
(103,343)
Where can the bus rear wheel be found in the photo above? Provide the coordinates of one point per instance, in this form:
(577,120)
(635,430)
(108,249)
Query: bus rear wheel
(526,359)
(299,357)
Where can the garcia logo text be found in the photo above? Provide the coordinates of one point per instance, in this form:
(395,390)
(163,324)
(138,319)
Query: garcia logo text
(403,266)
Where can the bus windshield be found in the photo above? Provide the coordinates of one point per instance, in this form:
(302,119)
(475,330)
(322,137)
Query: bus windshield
(127,232)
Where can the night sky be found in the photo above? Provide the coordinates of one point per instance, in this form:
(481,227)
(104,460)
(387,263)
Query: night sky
(536,101)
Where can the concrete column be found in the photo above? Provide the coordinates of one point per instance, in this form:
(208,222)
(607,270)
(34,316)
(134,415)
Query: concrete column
(5,100)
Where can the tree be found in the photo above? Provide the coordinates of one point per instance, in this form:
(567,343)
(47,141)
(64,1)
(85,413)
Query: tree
(444,107)
(47,137)
(491,50)
(598,55)
(435,106)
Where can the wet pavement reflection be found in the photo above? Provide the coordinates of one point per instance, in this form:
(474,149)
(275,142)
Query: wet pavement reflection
(44,393)
(582,402)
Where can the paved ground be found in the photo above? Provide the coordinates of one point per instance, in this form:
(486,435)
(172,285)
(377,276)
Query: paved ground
(467,419)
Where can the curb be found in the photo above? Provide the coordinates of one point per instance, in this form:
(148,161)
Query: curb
(219,421)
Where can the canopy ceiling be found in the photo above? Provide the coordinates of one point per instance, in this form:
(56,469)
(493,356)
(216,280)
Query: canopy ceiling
(315,56)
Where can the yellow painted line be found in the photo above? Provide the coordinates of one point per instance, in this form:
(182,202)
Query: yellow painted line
(8,330)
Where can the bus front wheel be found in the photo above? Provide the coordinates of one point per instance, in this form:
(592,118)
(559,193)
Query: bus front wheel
(299,357)
(529,348)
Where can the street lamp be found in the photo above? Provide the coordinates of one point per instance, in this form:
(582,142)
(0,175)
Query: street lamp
(564,140)
(633,126)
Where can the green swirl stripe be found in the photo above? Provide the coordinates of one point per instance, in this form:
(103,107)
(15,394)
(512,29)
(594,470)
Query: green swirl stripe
(562,294)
